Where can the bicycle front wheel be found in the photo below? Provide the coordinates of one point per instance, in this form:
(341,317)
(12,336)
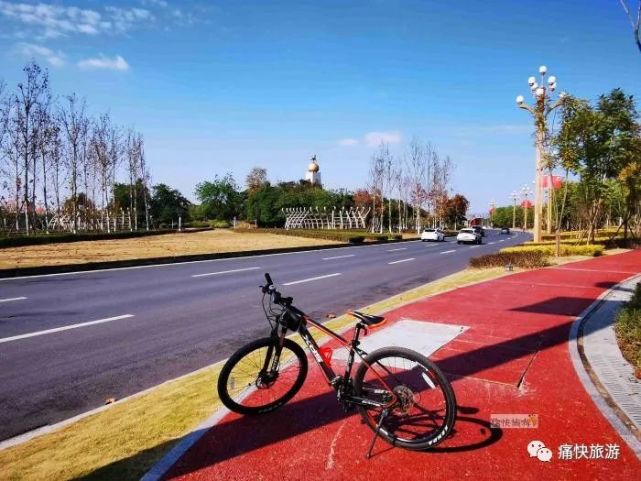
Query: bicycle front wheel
(260,377)
(424,409)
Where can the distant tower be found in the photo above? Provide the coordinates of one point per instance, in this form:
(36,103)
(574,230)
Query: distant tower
(313,172)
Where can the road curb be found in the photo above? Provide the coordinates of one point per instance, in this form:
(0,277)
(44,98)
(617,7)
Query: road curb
(600,396)
(168,260)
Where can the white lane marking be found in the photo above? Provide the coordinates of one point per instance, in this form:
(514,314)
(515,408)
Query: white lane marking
(226,272)
(310,279)
(399,249)
(490,243)
(402,260)
(502,240)
(448,252)
(223,259)
(474,247)
(338,257)
(64,328)
(10,299)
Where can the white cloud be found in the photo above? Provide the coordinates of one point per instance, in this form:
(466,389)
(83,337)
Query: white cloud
(57,59)
(54,20)
(105,63)
(348,142)
(374,139)
(158,3)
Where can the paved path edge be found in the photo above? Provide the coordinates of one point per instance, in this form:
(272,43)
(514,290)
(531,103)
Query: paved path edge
(581,364)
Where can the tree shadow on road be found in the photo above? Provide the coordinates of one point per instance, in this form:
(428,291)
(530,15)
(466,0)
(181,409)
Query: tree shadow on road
(239,435)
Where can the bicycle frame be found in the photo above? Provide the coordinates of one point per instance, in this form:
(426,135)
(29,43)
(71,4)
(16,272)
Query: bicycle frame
(340,385)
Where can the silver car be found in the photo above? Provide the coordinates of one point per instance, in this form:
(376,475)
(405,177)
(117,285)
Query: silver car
(469,235)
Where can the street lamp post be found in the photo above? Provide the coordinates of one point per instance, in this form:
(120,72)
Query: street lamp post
(514,196)
(525,192)
(492,207)
(540,110)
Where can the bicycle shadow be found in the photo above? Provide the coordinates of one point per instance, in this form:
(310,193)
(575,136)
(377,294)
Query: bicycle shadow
(239,435)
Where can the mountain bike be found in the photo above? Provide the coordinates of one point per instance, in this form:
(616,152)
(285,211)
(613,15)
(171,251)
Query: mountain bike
(401,395)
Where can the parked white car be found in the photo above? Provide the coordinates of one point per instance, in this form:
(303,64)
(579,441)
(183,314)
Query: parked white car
(469,235)
(432,235)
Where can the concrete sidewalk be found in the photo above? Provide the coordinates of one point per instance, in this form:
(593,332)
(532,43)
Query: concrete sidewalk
(514,358)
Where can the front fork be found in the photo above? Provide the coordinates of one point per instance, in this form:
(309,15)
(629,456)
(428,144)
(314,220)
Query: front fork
(272,359)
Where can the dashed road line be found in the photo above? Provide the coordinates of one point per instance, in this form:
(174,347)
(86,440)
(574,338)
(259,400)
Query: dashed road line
(226,272)
(11,299)
(402,260)
(310,279)
(64,328)
(338,257)
(397,249)
(448,252)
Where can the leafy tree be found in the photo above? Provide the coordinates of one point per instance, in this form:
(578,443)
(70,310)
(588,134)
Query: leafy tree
(599,143)
(168,205)
(456,210)
(220,199)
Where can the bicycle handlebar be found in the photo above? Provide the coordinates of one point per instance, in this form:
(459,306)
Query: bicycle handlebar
(276,296)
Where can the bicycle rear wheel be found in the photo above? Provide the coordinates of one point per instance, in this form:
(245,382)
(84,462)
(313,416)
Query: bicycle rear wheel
(260,377)
(425,410)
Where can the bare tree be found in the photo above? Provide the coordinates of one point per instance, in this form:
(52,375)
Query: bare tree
(376,184)
(133,158)
(74,124)
(635,23)
(391,177)
(28,104)
(256,178)
(57,164)
(46,145)
(417,170)
(146,180)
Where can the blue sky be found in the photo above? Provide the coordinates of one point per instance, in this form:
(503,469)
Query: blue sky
(224,86)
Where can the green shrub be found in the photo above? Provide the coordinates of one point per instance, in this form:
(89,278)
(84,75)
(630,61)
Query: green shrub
(219,224)
(565,250)
(351,236)
(525,259)
(67,237)
(628,329)
(197,224)
(395,237)
(376,237)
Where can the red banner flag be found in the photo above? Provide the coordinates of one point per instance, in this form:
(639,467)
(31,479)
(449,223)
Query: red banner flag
(555,180)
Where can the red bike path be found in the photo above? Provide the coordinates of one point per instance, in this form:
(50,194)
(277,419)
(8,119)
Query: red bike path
(513,359)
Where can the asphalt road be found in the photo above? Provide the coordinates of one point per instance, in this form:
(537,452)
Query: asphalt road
(159,322)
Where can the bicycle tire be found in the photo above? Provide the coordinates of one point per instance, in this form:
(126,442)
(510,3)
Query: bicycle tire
(247,392)
(431,382)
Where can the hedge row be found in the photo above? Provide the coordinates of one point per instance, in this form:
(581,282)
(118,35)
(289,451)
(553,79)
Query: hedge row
(576,235)
(66,237)
(597,240)
(353,237)
(525,259)
(565,250)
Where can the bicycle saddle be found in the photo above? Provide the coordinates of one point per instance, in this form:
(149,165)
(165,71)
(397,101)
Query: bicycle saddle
(368,319)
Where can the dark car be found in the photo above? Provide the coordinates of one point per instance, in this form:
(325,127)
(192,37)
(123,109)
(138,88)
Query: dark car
(505,230)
